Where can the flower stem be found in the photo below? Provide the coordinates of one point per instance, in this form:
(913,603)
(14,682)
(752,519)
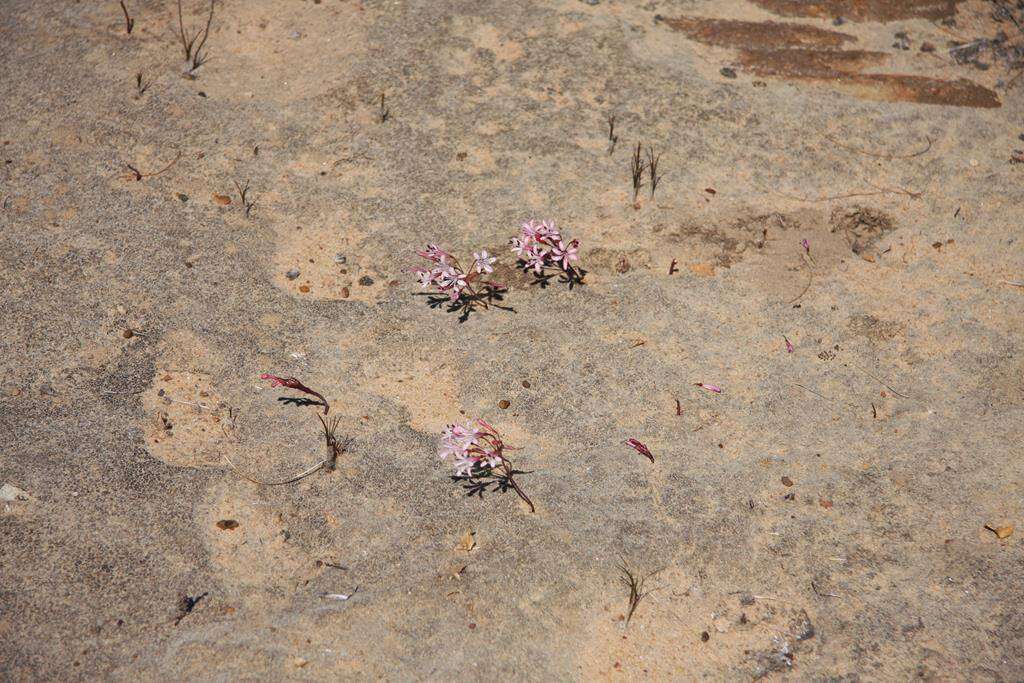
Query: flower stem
(511,480)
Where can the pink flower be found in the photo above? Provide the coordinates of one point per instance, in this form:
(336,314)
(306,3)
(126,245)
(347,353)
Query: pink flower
(565,254)
(529,231)
(476,451)
(425,277)
(537,259)
(482,261)
(434,253)
(541,246)
(806,245)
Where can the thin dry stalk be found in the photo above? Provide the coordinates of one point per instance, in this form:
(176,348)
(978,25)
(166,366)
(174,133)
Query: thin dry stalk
(129,23)
(243,193)
(636,167)
(194,57)
(652,165)
(635,584)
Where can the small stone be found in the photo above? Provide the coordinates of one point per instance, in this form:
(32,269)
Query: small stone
(292,274)
(227,525)
(10,493)
(927,47)
(503,404)
(728,72)
(340,258)
(344,292)
(366,281)
(705,636)
(592,3)
(299,662)
(183,197)
(526,384)
(294,35)
(128,334)
(838,21)
(304,289)
(786,481)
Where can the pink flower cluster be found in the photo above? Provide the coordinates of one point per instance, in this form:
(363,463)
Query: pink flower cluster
(473,447)
(448,277)
(540,246)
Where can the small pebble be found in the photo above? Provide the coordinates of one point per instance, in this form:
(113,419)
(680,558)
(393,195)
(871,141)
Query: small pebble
(728,72)
(128,334)
(526,384)
(503,404)
(366,281)
(927,47)
(344,292)
(304,289)
(838,21)
(705,636)
(786,481)
(183,197)
(340,258)
(227,525)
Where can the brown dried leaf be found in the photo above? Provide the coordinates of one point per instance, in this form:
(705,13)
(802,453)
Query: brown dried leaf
(467,542)
(1001,532)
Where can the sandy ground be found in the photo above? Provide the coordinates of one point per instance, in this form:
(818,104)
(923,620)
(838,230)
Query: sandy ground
(823,517)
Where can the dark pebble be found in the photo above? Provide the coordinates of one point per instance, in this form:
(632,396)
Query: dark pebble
(728,72)
(503,404)
(292,274)
(366,281)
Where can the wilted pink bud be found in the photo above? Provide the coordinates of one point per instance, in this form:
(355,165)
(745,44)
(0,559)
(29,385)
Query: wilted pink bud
(640,448)
(789,345)
(806,245)
(292,383)
(709,387)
